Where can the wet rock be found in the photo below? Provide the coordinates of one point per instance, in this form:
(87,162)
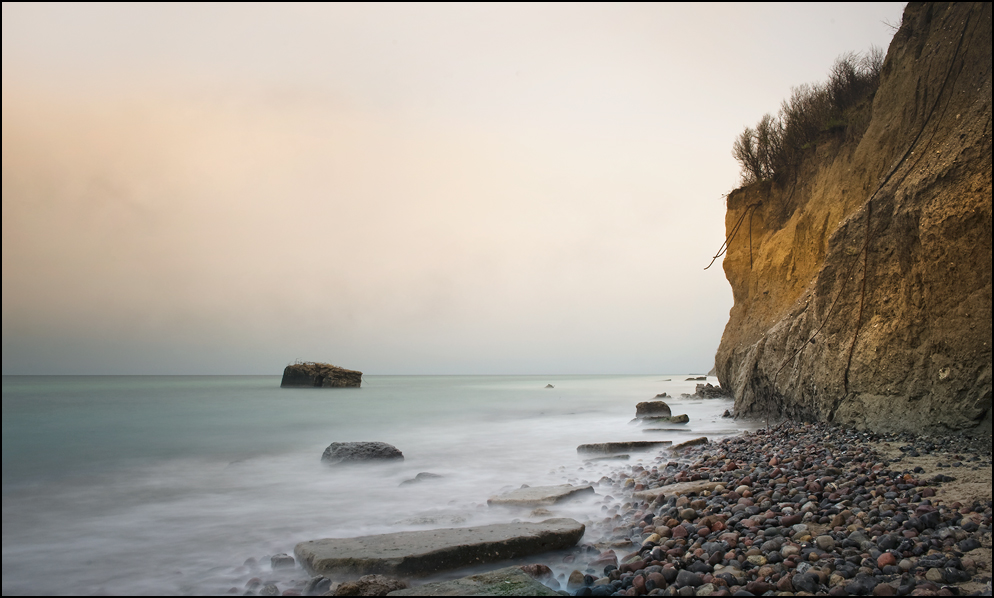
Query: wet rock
(422,553)
(270,589)
(510,581)
(575,581)
(370,585)
(282,561)
(537,571)
(539,495)
(316,586)
(677,489)
(358,452)
(689,443)
(424,476)
(707,391)
(673,419)
(652,409)
(621,447)
(686,578)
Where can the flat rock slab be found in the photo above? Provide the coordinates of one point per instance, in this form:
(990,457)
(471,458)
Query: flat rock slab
(510,581)
(607,448)
(676,490)
(539,496)
(423,553)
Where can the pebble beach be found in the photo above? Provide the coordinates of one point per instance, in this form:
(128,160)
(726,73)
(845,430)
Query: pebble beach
(801,509)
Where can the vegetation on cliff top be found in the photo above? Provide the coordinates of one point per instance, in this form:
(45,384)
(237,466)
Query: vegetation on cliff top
(773,149)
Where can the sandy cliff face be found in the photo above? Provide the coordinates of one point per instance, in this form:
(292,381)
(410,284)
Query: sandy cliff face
(863,289)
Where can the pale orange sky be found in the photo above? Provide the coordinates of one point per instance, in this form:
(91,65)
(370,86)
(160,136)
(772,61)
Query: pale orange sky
(426,189)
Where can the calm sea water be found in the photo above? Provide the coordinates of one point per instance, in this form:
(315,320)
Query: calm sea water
(166,485)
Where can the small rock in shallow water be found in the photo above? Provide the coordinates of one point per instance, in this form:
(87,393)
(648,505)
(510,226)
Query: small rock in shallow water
(282,561)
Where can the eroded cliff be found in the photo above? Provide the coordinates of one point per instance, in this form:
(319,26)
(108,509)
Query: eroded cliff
(862,288)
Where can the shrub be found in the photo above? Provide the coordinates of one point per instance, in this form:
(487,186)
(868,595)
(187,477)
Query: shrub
(772,150)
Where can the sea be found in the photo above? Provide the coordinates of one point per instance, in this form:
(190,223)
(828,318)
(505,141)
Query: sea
(170,485)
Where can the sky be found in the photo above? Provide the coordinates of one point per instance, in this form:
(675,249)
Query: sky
(398,189)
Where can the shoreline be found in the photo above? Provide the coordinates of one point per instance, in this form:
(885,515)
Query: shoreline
(799,509)
(811,499)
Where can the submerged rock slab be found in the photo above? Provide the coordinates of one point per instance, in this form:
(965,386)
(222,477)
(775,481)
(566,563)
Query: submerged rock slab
(319,375)
(539,495)
(607,448)
(679,489)
(510,581)
(674,419)
(423,553)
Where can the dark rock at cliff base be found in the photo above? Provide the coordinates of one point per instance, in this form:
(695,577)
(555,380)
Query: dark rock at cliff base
(652,409)
(707,391)
(878,249)
(356,452)
(319,375)
(423,553)
(696,378)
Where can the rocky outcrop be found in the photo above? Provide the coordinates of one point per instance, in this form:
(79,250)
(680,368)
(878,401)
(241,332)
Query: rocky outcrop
(356,452)
(862,287)
(319,375)
(707,391)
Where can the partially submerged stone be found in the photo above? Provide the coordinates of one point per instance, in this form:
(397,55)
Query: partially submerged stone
(424,476)
(423,553)
(510,581)
(674,419)
(689,443)
(539,495)
(319,375)
(677,490)
(356,452)
(618,457)
(652,409)
(608,448)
